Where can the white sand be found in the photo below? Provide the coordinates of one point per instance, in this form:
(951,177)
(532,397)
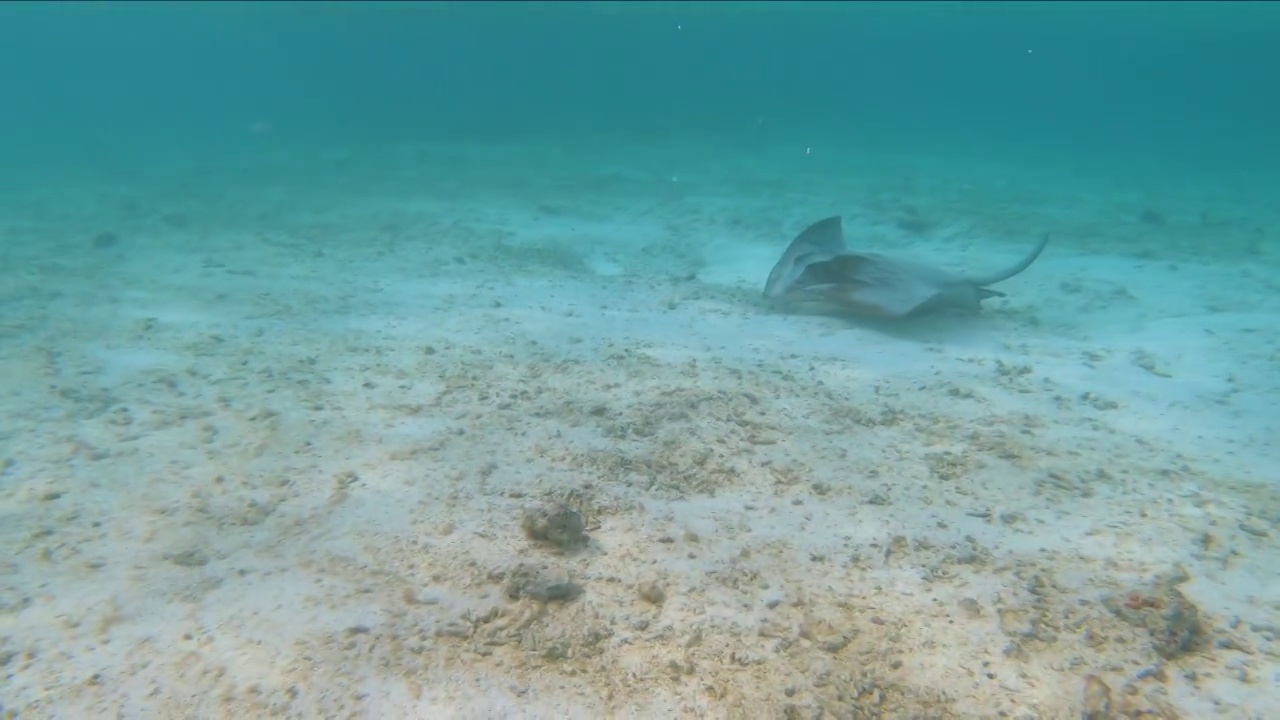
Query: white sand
(268,454)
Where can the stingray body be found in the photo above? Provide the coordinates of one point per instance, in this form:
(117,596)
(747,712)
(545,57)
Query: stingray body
(816,264)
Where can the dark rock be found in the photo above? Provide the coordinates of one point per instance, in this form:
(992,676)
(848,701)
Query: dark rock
(558,526)
(541,583)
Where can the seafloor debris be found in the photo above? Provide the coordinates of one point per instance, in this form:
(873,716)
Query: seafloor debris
(541,583)
(652,592)
(1096,699)
(557,525)
(1172,619)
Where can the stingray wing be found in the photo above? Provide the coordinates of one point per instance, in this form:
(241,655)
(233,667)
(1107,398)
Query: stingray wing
(819,242)
(873,285)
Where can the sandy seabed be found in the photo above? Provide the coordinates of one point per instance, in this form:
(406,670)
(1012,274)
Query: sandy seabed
(476,433)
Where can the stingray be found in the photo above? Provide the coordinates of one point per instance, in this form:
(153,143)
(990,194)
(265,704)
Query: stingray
(816,264)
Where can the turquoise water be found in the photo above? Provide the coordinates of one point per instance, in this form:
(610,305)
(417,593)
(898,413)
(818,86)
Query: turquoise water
(407,360)
(1188,84)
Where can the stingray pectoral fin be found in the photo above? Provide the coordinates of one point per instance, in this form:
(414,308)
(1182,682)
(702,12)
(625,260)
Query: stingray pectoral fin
(841,269)
(879,300)
(864,302)
(818,242)
(873,285)
(1016,268)
(826,235)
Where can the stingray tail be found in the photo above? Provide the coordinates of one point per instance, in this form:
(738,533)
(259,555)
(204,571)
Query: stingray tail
(1018,267)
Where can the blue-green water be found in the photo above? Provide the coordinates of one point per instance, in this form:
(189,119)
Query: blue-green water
(1191,84)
